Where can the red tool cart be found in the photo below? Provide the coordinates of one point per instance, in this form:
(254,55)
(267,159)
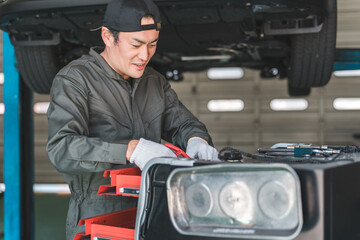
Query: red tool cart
(121,224)
(116,225)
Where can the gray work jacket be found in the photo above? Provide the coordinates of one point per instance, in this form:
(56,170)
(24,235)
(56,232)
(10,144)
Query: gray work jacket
(93,113)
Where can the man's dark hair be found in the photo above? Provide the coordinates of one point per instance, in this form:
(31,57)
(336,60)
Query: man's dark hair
(115,35)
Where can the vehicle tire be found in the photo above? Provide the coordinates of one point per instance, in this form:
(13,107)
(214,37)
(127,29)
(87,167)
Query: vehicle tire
(312,56)
(298,92)
(38,66)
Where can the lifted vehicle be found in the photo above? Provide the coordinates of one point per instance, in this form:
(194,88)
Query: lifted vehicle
(282,38)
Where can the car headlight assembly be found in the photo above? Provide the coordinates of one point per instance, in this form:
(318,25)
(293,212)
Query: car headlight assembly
(239,201)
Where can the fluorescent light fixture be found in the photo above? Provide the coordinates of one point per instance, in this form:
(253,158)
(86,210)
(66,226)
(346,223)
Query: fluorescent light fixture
(346,103)
(41,107)
(225,73)
(46,188)
(51,188)
(1,78)
(347,73)
(225,105)
(2,108)
(296,104)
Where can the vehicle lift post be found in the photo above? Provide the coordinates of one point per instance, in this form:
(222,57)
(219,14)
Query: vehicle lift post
(18,151)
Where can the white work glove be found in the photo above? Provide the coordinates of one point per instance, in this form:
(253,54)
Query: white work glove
(146,150)
(199,148)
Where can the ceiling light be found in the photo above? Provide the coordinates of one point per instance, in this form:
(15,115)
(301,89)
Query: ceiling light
(2,108)
(347,73)
(346,103)
(225,73)
(225,105)
(41,107)
(289,104)
(1,78)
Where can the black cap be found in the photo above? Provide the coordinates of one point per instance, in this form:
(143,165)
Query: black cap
(126,15)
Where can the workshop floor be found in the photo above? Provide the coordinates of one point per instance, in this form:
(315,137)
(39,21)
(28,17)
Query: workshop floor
(50,216)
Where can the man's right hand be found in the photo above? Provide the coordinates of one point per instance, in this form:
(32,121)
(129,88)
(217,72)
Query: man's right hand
(130,148)
(143,150)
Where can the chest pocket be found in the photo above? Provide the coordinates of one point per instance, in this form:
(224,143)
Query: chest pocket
(108,122)
(153,112)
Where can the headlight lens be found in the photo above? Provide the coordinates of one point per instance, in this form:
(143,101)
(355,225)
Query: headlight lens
(198,199)
(236,201)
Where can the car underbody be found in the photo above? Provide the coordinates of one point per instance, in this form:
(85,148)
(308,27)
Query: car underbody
(195,36)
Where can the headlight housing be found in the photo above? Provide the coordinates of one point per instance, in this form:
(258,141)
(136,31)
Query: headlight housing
(259,201)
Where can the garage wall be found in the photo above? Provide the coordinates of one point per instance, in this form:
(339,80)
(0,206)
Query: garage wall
(256,125)
(348,24)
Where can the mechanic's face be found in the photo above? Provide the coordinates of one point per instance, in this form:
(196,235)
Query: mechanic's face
(130,55)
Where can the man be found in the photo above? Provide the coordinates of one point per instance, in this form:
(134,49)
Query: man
(108,110)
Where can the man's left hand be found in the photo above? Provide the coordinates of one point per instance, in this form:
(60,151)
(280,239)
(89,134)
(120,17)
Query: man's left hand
(199,148)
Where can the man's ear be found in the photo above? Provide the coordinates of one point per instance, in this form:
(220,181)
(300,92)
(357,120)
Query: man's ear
(107,36)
